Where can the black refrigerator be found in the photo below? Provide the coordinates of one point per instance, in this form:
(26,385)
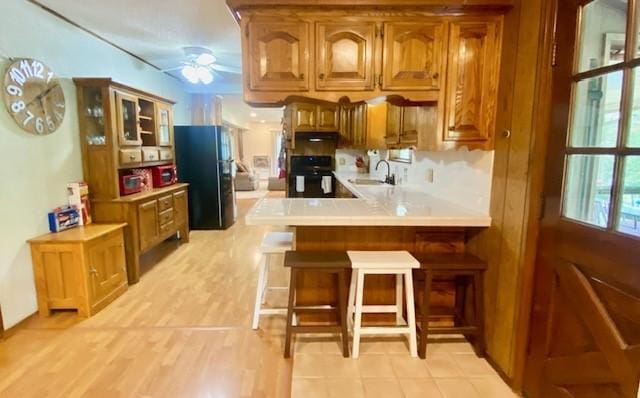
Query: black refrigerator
(204,160)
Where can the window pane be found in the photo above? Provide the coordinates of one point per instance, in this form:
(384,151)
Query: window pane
(587,191)
(633,136)
(596,112)
(602,33)
(629,215)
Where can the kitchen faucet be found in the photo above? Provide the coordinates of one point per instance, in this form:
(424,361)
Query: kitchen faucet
(390,178)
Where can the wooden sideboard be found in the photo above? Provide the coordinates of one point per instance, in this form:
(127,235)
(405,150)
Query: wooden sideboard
(82,268)
(151,218)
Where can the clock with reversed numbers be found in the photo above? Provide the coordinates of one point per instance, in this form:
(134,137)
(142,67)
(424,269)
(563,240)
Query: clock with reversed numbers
(33,96)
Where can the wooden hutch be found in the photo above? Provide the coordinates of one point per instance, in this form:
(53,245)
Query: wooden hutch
(123,128)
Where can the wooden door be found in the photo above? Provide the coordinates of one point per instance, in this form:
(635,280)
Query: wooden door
(412,118)
(278,57)
(412,55)
(359,125)
(327,117)
(344,132)
(472,75)
(127,119)
(106,267)
(585,324)
(148,224)
(345,55)
(164,124)
(180,208)
(394,124)
(304,117)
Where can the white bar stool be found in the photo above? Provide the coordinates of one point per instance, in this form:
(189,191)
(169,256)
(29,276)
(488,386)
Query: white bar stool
(399,263)
(272,243)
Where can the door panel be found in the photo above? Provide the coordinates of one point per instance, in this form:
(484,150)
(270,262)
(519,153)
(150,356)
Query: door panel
(279,55)
(327,117)
(472,81)
(585,322)
(412,55)
(344,56)
(107,268)
(394,124)
(148,224)
(305,117)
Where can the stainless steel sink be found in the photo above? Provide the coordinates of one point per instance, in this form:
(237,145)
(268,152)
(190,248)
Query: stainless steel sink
(366,181)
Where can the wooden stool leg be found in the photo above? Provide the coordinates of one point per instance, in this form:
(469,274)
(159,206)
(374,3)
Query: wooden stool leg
(424,316)
(265,281)
(460,300)
(399,303)
(259,292)
(411,312)
(352,295)
(292,292)
(358,316)
(478,289)
(342,311)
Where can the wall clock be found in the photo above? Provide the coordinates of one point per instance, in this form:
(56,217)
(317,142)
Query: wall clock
(33,96)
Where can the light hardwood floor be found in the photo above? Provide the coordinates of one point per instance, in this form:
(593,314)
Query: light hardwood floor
(184,331)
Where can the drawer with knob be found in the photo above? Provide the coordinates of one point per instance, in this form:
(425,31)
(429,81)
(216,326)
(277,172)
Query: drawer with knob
(150,155)
(130,156)
(165,202)
(166,217)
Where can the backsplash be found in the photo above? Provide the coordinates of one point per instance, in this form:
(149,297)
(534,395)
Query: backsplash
(460,176)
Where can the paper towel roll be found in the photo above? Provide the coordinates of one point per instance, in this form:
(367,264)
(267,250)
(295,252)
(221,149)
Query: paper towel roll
(374,158)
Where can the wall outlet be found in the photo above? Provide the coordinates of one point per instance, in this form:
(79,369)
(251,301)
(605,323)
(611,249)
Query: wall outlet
(429,175)
(341,161)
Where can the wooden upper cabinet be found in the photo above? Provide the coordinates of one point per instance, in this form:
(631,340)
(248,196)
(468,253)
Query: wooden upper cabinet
(345,55)
(278,55)
(304,117)
(128,125)
(412,55)
(473,69)
(327,117)
(148,224)
(164,124)
(394,124)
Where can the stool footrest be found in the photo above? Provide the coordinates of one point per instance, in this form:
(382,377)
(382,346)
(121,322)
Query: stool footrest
(273,311)
(316,329)
(379,309)
(452,330)
(315,310)
(385,330)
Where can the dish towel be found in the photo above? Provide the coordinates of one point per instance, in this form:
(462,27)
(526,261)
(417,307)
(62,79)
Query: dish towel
(326,184)
(299,184)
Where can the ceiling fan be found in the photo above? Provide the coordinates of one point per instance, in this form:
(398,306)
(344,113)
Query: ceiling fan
(200,65)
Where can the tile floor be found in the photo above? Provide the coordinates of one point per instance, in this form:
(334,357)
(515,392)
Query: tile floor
(385,369)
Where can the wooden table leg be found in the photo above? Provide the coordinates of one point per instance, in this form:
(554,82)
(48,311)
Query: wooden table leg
(342,311)
(292,293)
(424,316)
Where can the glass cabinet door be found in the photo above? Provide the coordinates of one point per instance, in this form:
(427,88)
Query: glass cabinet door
(128,126)
(93,128)
(165,125)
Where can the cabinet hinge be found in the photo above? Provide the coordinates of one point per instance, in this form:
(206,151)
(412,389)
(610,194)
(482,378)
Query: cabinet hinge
(554,53)
(382,31)
(380,80)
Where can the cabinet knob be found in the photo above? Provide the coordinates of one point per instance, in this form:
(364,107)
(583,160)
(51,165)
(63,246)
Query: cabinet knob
(93,271)
(506,133)
(436,75)
(131,157)
(302,76)
(321,76)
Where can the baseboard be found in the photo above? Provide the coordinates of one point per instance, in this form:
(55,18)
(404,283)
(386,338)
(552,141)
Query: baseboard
(501,373)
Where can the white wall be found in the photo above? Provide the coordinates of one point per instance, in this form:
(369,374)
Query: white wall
(460,176)
(259,139)
(34,170)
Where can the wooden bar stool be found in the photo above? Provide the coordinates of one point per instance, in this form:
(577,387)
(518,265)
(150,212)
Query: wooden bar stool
(318,261)
(467,269)
(399,263)
(272,243)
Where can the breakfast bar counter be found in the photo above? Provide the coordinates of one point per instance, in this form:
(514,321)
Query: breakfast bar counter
(378,217)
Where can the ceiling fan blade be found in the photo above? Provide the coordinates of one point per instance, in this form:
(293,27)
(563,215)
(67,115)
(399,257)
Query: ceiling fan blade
(227,69)
(172,69)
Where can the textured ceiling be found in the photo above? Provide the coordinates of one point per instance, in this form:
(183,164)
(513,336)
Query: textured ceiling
(157,30)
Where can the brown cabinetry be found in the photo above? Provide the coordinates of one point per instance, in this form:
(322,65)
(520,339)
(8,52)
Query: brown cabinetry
(148,224)
(307,117)
(412,55)
(83,268)
(473,72)
(127,119)
(327,117)
(277,55)
(411,125)
(345,55)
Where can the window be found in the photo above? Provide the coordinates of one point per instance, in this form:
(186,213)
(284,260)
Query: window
(602,159)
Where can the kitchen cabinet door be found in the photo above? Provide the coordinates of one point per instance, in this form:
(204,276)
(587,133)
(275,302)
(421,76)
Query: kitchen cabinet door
(304,116)
(344,132)
(345,55)
(180,208)
(106,267)
(473,69)
(412,55)
(127,119)
(327,117)
(278,56)
(394,124)
(164,124)
(148,224)
(359,126)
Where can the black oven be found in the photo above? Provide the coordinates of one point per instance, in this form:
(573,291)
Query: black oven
(311,177)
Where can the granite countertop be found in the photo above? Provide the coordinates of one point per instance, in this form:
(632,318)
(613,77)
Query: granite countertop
(377,205)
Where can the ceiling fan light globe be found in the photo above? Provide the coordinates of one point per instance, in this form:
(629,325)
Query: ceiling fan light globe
(205,59)
(204,75)
(190,73)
